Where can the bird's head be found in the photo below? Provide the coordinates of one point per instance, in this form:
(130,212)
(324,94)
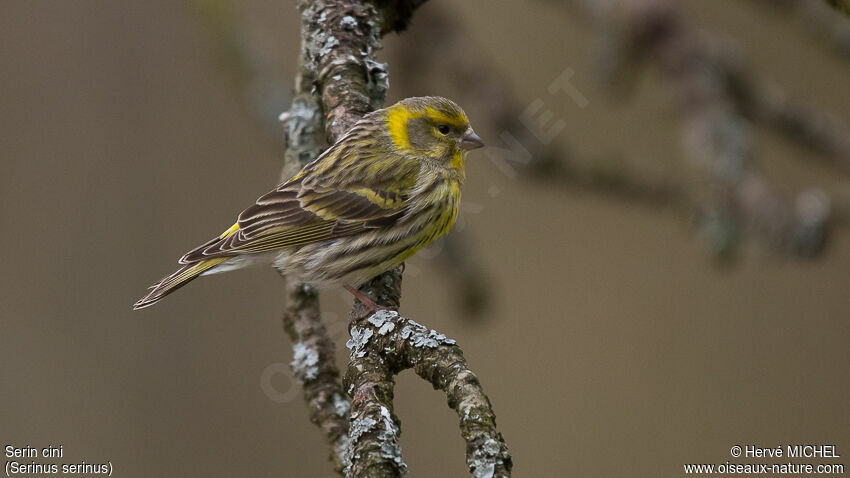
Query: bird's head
(432,127)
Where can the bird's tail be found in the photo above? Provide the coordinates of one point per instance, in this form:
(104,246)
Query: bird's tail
(176,280)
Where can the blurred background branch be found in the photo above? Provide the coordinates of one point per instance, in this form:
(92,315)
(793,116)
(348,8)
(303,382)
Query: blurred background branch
(841,5)
(817,19)
(719,101)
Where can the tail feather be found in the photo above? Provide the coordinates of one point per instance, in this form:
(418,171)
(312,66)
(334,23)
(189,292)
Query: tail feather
(176,280)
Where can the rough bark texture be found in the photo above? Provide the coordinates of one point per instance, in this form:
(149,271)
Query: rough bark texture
(314,365)
(340,38)
(382,345)
(439,361)
(373,447)
(313,362)
(302,127)
(341,79)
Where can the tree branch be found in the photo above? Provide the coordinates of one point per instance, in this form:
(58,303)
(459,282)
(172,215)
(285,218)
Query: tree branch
(381,347)
(313,363)
(339,38)
(373,447)
(441,362)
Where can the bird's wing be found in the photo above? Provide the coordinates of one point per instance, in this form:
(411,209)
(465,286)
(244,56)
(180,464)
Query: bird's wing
(316,205)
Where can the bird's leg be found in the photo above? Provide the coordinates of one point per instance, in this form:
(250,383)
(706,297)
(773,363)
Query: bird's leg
(369,303)
(371,306)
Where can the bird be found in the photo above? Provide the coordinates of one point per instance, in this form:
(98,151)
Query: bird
(387,188)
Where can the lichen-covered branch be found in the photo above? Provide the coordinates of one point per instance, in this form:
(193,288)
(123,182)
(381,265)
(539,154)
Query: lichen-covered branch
(337,43)
(314,366)
(338,81)
(313,361)
(440,361)
(340,37)
(389,342)
(373,446)
(383,345)
(302,127)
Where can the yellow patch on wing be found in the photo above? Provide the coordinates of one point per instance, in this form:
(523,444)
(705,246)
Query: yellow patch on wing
(399,116)
(386,200)
(230,231)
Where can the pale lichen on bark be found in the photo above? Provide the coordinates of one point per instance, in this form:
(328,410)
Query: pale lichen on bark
(340,38)
(314,365)
(385,344)
(302,127)
(382,345)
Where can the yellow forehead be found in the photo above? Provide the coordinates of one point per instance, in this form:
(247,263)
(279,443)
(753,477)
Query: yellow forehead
(399,115)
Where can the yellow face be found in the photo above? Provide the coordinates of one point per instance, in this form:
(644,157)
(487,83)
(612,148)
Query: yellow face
(431,126)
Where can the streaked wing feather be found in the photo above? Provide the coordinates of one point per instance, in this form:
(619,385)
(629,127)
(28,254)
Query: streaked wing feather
(285,218)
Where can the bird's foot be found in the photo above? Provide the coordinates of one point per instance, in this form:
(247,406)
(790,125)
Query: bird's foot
(370,306)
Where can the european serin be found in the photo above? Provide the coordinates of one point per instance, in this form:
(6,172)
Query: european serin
(386,189)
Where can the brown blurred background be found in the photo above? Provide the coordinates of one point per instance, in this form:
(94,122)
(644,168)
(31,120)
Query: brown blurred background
(612,345)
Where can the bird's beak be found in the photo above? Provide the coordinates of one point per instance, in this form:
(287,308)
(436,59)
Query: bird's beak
(471,141)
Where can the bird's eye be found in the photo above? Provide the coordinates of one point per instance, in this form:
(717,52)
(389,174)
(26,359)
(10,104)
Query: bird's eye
(443,129)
